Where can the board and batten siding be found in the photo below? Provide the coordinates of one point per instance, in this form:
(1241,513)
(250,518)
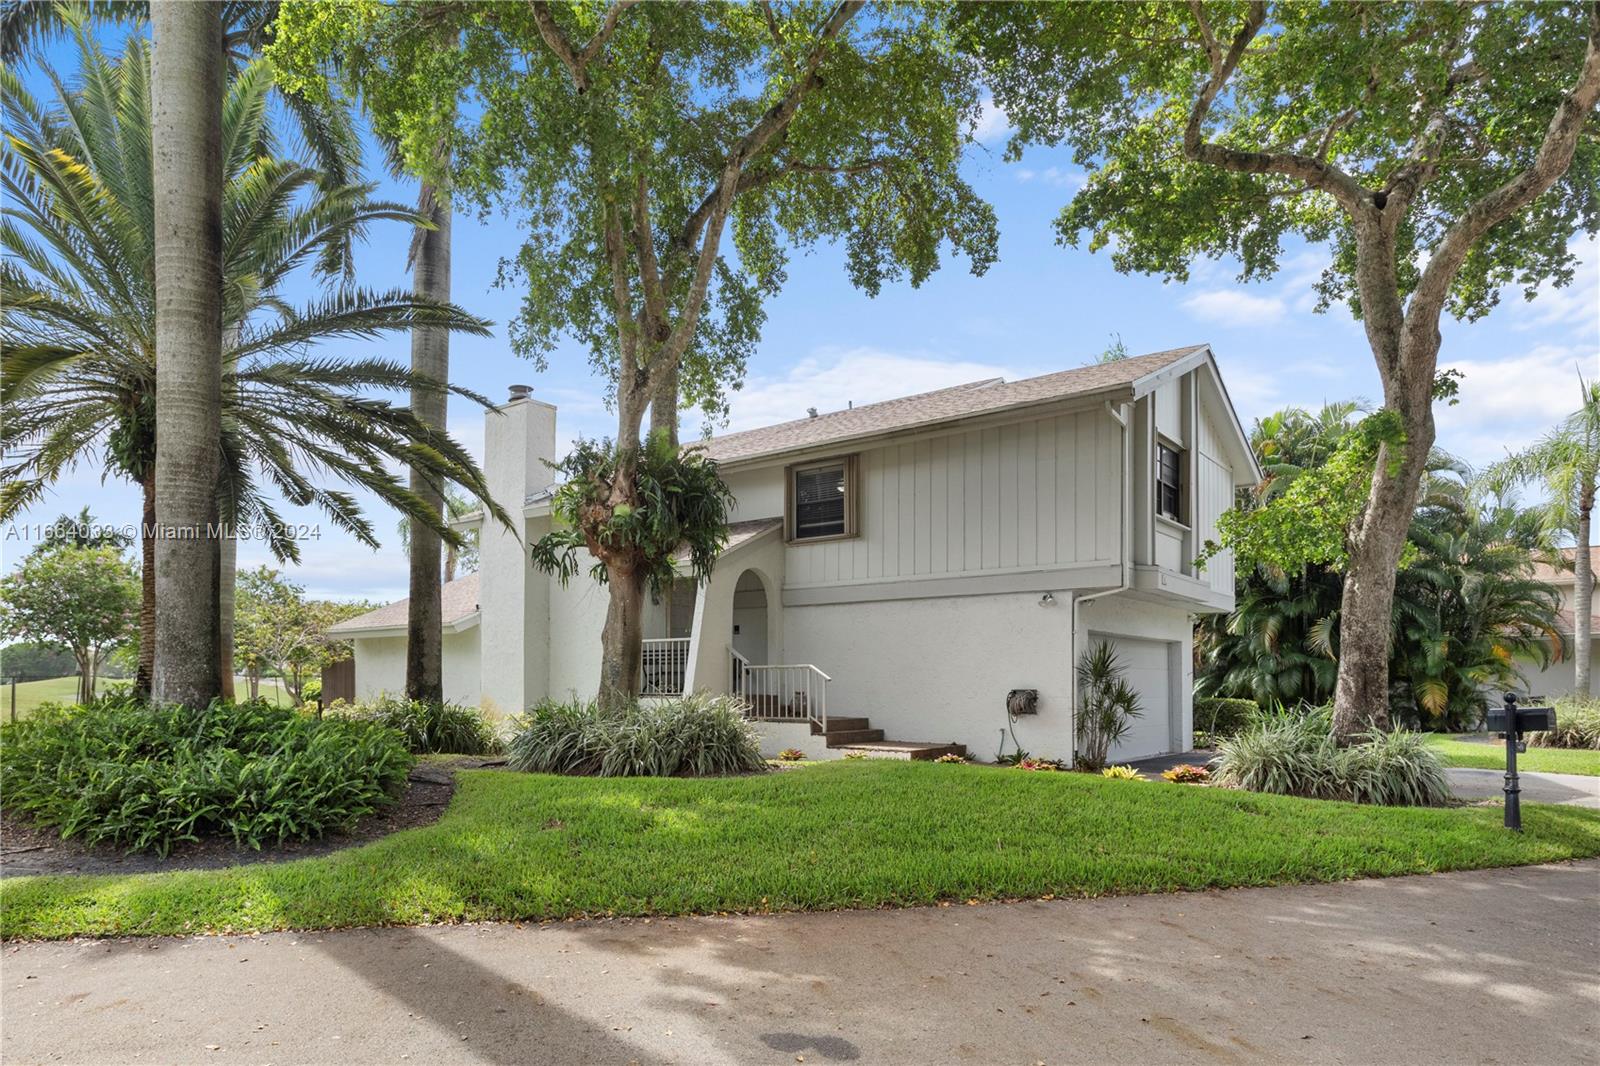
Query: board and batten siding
(1041,494)
(1213,494)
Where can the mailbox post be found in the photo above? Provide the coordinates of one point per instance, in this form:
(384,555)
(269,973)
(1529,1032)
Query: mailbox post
(1511,722)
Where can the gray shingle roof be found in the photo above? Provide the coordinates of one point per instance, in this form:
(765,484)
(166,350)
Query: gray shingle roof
(738,533)
(962,401)
(458,601)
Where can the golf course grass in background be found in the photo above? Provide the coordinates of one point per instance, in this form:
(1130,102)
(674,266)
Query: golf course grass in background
(1492,756)
(846,834)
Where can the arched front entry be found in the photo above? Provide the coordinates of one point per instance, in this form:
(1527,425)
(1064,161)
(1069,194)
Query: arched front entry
(749,636)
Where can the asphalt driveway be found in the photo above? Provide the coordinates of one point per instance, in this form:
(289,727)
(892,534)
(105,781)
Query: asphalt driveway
(1486,967)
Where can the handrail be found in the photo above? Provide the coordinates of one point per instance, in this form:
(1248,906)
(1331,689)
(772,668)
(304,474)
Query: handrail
(663,666)
(780,691)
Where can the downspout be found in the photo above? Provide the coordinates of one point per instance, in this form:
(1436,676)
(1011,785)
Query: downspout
(1120,414)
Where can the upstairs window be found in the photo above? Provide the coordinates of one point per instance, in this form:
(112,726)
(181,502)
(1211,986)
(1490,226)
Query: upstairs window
(822,500)
(1169,482)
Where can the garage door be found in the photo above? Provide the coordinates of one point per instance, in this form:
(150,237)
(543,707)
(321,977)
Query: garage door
(1145,665)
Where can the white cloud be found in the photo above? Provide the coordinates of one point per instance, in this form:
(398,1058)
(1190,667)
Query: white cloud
(1577,305)
(1060,177)
(1505,404)
(1234,307)
(832,379)
(992,124)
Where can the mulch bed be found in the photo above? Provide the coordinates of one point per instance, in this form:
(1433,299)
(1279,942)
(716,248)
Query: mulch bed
(26,849)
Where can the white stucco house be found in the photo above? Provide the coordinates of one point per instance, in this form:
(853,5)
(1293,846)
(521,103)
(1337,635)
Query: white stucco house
(896,570)
(1560,677)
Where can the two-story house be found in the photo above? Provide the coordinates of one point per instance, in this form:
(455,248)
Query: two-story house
(900,577)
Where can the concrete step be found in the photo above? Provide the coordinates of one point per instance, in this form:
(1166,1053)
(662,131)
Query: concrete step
(845,738)
(902,749)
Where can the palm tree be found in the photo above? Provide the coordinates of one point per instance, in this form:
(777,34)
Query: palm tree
(430,359)
(458,558)
(186,128)
(79,363)
(1566,462)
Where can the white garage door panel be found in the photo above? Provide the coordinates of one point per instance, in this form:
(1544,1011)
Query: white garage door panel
(1144,663)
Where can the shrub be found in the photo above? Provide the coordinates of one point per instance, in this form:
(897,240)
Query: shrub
(311,691)
(1219,718)
(791,755)
(1031,763)
(1295,755)
(1108,705)
(952,757)
(1121,773)
(430,728)
(1577,725)
(1187,774)
(119,771)
(692,736)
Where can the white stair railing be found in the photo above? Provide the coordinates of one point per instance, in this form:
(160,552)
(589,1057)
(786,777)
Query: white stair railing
(780,692)
(664,666)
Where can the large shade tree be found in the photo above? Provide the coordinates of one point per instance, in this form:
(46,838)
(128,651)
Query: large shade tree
(78,323)
(664,159)
(1441,152)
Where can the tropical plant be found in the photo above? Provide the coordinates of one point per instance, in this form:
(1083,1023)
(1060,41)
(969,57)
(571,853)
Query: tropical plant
(680,501)
(1441,152)
(1296,754)
(1467,608)
(791,755)
(696,735)
(120,771)
(1577,725)
(459,558)
(80,599)
(431,728)
(1121,773)
(80,301)
(1107,705)
(1566,462)
(1220,717)
(1187,774)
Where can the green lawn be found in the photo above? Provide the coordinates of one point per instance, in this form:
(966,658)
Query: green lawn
(32,694)
(848,834)
(1493,756)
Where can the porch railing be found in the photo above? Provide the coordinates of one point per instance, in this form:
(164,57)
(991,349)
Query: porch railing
(780,692)
(664,666)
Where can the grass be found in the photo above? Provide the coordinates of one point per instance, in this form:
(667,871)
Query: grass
(1473,753)
(31,695)
(849,834)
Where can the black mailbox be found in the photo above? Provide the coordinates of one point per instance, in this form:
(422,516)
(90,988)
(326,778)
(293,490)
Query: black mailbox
(1528,719)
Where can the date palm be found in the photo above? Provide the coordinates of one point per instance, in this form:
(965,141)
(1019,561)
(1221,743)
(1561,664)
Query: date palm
(79,310)
(1566,463)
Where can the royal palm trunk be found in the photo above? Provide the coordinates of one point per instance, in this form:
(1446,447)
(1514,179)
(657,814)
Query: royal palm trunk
(430,357)
(186,90)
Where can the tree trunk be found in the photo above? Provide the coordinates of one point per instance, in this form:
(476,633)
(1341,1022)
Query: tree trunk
(227,588)
(664,407)
(147,590)
(622,639)
(430,356)
(85,676)
(1583,596)
(186,87)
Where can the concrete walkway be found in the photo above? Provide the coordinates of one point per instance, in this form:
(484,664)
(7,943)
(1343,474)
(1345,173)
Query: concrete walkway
(1487,967)
(1576,790)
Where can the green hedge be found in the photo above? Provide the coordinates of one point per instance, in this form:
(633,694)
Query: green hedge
(119,771)
(1218,717)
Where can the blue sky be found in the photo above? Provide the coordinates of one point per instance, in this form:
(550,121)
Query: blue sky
(1040,308)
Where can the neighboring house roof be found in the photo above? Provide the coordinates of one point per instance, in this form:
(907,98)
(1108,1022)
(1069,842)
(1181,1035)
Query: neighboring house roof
(1565,621)
(1565,575)
(739,533)
(963,401)
(458,611)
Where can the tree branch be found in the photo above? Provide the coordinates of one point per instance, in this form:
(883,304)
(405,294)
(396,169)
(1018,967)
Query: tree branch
(1552,160)
(577,63)
(655,302)
(1316,173)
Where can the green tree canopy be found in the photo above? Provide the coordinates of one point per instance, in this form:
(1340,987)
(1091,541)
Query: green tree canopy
(80,599)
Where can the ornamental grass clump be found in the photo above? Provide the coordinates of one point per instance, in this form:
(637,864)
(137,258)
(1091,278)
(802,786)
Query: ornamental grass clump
(1577,726)
(695,736)
(431,728)
(146,778)
(1295,754)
